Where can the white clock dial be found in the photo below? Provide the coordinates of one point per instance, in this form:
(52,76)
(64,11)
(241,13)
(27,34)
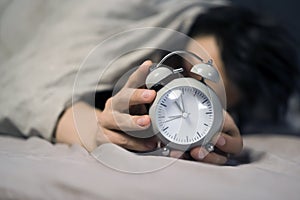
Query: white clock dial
(184,115)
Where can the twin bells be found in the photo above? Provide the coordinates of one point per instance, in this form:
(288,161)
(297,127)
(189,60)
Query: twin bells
(159,73)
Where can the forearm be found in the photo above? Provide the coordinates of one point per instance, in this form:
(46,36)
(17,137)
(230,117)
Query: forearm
(69,132)
(87,131)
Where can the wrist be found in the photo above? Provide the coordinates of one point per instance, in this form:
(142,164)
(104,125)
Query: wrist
(78,125)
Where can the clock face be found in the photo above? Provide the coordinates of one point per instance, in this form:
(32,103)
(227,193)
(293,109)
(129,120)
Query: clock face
(184,115)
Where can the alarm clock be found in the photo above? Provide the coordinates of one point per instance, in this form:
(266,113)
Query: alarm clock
(186,112)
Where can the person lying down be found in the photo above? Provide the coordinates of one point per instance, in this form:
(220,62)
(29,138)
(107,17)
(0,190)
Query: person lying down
(253,54)
(253,59)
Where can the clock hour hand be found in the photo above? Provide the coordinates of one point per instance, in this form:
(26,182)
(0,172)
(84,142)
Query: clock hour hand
(183,109)
(177,104)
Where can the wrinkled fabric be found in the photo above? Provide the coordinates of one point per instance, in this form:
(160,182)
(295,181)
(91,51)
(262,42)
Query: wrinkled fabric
(43,44)
(37,169)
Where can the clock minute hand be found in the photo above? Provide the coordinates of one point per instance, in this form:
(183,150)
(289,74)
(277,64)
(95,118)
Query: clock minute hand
(177,104)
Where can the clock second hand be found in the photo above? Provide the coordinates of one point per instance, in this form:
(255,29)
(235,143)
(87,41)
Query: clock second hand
(173,117)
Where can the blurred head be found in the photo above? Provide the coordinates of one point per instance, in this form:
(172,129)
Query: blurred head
(257,57)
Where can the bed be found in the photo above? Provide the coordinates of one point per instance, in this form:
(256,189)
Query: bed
(37,169)
(38,35)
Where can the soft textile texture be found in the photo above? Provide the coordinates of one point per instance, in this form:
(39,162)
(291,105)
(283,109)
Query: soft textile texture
(36,169)
(43,44)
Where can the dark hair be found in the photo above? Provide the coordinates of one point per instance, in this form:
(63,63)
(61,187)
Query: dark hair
(258,56)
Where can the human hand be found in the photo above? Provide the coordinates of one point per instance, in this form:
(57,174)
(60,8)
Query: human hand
(115,118)
(229,141)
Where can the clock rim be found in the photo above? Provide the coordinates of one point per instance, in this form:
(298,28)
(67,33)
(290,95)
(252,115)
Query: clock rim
(216,106)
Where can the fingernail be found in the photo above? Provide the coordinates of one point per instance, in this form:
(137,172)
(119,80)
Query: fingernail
(147,62)
(141,121)
(201,155)
(144,64)
(221,141)
(146,94)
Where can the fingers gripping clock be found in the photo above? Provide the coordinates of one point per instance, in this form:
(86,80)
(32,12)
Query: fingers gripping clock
(186,112)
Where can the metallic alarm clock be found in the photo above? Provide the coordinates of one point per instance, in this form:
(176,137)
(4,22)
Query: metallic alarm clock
(186,112)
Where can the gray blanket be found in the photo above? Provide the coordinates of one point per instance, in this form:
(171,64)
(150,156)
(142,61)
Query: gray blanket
(43,46)
(36,169)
